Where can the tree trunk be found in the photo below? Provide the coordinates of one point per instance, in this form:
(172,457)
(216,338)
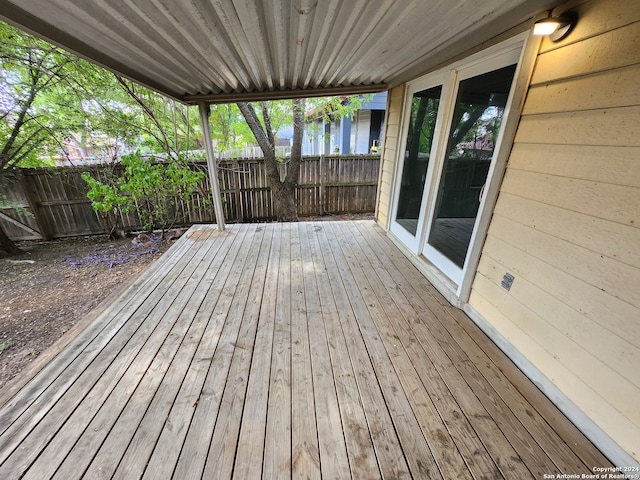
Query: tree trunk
(7,245)
(282,191)
(284,205)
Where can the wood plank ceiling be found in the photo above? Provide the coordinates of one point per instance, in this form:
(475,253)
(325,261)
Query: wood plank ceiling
(230,50)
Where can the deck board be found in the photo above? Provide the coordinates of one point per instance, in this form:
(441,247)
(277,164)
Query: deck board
(176,387)
(331,441)
(450,362)
(249,456)
(312,350)
(223,444)
(277,453)
(207,365)
(366,305)
(305,449)
(389,324)
(389,453)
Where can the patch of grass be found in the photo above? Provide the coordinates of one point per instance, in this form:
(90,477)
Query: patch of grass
(6,345)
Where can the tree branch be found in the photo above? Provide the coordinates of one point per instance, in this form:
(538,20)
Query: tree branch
(250,115)
(164,140)
(5,157)
(268,126)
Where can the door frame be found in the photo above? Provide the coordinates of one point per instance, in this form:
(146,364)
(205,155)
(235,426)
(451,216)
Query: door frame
(491,62)
(459,291)
(431,80)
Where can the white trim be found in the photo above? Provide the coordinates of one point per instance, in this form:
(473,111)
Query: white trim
(586,425)
(506,53)
(442,283)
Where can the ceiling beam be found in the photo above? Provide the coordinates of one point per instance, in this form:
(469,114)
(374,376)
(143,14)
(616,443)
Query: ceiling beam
(283,94)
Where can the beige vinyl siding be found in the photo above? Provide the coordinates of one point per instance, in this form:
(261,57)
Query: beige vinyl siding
(389,154)
(567,221)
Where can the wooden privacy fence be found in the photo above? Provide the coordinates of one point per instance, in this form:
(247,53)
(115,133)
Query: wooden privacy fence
(52,202)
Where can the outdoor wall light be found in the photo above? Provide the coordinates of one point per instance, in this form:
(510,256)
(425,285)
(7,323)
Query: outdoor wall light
(556,27)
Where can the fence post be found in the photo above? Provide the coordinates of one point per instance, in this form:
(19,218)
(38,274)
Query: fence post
(322,182)
(236,180)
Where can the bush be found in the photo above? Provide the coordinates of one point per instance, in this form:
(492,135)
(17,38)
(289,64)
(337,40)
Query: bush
(151,188)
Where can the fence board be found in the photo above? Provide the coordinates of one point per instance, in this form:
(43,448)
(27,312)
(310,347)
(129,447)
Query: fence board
(19,221)
(53,201)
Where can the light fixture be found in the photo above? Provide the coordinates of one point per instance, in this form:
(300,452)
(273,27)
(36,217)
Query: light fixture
(556,27)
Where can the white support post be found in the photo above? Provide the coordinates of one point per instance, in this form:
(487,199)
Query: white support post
(211,164)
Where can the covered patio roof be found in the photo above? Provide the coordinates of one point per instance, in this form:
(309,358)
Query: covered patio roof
(240,50)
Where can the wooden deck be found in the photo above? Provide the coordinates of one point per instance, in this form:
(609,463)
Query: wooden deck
(302,350)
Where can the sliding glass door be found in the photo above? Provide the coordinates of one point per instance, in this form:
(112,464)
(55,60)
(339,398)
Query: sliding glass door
(453,128)
(423,109)
(473,131)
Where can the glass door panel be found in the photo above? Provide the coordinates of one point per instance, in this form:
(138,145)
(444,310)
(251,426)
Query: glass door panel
(422,123)
(475,125)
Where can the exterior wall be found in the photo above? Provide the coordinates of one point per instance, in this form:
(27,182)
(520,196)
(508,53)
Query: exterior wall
(334,138)
(361,125)
(354,138)
(312,140)
(567,222)
(378,102)
(391,135)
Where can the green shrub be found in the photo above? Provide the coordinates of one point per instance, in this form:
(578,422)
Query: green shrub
(151,188)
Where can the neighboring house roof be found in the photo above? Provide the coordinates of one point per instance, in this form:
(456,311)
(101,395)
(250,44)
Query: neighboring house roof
(224,51)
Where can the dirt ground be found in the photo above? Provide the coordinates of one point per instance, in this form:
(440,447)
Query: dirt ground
(60,285)
(48,289)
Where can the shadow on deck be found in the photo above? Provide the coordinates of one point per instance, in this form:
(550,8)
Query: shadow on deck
(285,350)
